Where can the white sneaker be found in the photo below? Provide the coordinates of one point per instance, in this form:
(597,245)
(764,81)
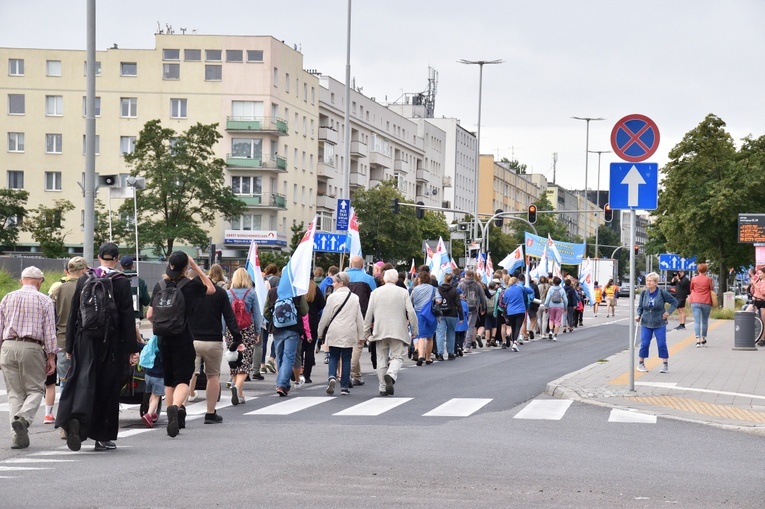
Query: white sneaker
(664,368)
(555,337)
(300,382)
(515,347)
(641,367)
(192,396)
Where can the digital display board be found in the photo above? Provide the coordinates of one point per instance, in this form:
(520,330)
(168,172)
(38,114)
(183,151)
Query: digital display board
(751,228)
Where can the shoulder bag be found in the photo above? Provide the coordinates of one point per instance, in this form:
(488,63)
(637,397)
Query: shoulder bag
(334,316)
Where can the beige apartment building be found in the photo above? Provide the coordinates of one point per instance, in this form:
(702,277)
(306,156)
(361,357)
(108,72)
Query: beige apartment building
(254,87)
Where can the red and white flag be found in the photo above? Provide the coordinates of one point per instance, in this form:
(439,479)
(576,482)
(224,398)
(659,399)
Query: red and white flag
(296,275)
(253,269)
(353,242)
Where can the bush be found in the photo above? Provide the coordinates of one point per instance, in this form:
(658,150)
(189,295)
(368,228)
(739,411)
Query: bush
(8,283)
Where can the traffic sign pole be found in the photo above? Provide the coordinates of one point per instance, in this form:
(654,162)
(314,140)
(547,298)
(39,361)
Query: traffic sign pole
(633,216)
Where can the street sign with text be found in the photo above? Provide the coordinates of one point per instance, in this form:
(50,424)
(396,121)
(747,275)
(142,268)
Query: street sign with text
(343,214)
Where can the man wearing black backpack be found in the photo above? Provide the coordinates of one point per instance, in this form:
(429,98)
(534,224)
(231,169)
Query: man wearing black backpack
(100,337)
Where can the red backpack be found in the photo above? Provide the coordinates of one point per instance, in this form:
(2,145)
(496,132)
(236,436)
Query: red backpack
(243,317)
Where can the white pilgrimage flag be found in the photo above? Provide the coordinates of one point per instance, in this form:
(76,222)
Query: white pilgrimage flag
(253,269)
(296,275)
(353,243)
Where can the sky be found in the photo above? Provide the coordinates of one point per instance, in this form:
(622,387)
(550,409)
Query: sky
(675,61)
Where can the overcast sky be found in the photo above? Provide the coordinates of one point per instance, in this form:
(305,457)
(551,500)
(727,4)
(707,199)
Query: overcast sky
(672,60)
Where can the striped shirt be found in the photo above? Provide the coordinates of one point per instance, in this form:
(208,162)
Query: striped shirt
(27,313)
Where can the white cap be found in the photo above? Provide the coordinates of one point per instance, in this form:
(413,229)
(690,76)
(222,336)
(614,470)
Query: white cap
(32,272)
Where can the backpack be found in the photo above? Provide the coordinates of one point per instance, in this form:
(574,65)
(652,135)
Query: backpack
(556,296)
(471,296)
(243,317)
(149,353)
(169,308)
(446,305)
(285,314)
(97,308)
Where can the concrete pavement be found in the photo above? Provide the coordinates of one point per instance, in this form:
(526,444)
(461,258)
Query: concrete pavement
(712,385)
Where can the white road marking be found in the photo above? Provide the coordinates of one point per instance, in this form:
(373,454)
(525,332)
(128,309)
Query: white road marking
(200,408)
(545,409)
(12,469)
(59,452)
(135,431)
(36,460)
(290,406)
(691,389)
(458,407)
(631,417)
(375,406)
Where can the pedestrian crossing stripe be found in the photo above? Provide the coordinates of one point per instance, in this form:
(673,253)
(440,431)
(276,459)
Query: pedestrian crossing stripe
(627,416)
(458,407)
(290,406)
(373,407)
(545,409)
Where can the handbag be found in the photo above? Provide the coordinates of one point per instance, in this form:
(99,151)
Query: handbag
(435,305)
(712,294)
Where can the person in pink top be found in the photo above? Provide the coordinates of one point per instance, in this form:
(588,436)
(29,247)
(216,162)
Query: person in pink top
(701,303)
(758,295)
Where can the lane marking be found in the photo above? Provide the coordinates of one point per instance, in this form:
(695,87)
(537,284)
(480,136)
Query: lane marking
(13,469)
(55,453)
(290,406)
(545,409)
(136,431)
(200,408)
(36,460)
(375,406)
(458,407)
(630,417)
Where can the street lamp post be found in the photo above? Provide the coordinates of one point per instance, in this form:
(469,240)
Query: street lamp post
(480,64)
(599,152)
(586,170)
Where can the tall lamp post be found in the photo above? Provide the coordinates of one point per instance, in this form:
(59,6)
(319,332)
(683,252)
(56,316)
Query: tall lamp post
(586,170)
(480,64)
(599,152)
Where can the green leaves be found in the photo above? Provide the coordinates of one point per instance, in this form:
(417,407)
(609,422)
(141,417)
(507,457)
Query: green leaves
(12,209)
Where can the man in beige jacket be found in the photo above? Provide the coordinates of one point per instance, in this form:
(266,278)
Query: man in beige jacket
(389,316)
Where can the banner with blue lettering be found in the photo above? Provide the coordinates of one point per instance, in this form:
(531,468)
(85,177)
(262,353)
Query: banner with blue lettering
(570,254)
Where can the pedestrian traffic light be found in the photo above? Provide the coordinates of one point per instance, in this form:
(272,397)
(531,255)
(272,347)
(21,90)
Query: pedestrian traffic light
(499,220)
(419,212)
(532,214)
(608,213)
(394,205)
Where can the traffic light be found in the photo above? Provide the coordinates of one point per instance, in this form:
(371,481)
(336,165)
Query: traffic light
(608,213)
(532,214)
(419,212)
(637,248)
(498,221)
(394,205)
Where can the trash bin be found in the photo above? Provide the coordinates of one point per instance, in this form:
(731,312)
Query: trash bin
(743,336)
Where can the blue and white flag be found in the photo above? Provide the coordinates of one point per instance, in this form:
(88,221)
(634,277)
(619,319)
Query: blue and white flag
(252,266)
(585,279)
(353,240)
(513,260)
(296,275)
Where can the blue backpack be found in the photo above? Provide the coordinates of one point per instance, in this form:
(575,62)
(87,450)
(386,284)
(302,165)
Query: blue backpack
(149,353)
(285,314)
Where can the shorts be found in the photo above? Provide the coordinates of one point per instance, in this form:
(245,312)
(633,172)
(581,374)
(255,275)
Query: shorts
(759,303)
(154,385)
(681,301)
(50,379)
(489,322)
(211,353)
(611,301)
(63,365)
(178,359)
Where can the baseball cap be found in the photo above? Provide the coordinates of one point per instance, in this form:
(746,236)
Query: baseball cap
(77,263)
(176,262)
(126,261)
(32,272)
(108,251)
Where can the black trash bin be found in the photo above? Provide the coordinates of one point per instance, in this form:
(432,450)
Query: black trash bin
(743,336)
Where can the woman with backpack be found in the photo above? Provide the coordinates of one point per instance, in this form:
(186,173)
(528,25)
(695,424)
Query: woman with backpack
(422,297)
(246,307)
(514,300)
(556,304)
(451,308)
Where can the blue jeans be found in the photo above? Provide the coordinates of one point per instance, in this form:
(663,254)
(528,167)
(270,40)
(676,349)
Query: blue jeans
(445,334)
(661,341)
(335,353)
(701,318)
(286,343)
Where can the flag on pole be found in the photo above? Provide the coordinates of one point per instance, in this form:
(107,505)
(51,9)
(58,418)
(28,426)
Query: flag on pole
(252,266)
(553,249)
(455,267)
(353,240)
(413,270)
(296,275)
(585,279)
(541,268)
(429,257)
(441,261)
(513,260)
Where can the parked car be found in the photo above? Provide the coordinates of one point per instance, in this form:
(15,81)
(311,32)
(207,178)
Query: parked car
(624,289)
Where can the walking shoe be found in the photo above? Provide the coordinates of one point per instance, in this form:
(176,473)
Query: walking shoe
(213,418)
(258,376)
(515,347)
(520,341)
(703,342)
(282,392)
(531,334)
(270,366)
(420,361)
(664,368)
(440,357)
(345,392)
(106,445)
(234,395)
(555,337)
(504,346)
(460,352)
(357,382)
(172,421)
(192,396)
(182,416)
(550,335)
(21,438)
(147,420)
(641,367)
(49,419)
(300,382)
(389,383)
(451,357)
(680,327)
(698,344)
(326,358)
(154,417)
(263,371)
(383,393)
(308,381)
(73,441)
(331,386)
(479,340)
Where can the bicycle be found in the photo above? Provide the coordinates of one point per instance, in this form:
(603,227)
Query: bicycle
(757,324)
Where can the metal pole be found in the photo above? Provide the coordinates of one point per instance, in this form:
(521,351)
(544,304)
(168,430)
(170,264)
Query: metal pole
(586,171)
(346,191)
(632,300)
(110,214)
(597,230)
(90,136)
(135,224)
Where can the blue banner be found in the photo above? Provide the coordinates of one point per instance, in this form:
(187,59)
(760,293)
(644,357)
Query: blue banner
(570,254)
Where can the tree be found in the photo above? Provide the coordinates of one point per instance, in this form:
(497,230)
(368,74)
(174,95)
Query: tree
(46,226)
(12,209)
(546,224)
(513,164)
(185,186)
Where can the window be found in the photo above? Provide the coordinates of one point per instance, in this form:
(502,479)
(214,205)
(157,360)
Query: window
(54,105)
(192,55)
(276,77)
(16,104)
(53,181)
(15,179)
(171,54)
(177,108)
(213,72)
(250,148)
(254,55)
(15,67)
(98,145)
(15,142)
(247,186)
(98,69)
(85,106)
(234,55)
(128,107)
(246,110)
(213,55)
(53,68)
(312,128)
(128,69)
(305,92)
(313,95)
(53,143)
(127,144)
(247,222)
(294,193)
(171,71)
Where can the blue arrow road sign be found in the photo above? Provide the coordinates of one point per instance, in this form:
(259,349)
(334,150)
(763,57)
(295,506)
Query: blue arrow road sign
(329,242)
(634,186)
(670,261)
(343,214)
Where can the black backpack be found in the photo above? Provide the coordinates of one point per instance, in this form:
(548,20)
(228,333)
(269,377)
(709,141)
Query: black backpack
(169,308)
(446,305)
(98,312)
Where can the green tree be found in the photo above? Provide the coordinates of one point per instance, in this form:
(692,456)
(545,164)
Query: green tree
(546,224)
(12,209)
(45,224)
(513,164)
(185,185)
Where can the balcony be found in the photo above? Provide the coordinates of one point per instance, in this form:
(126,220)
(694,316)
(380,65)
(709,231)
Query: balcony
(272,125)
(357,179)
(423,176)
(326,201)
(401,166)
(271,163)
(328,135)
(380,159)
(265,201)
(326,169)
(359,149)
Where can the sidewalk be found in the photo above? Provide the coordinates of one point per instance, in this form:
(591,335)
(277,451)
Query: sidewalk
(713,385)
